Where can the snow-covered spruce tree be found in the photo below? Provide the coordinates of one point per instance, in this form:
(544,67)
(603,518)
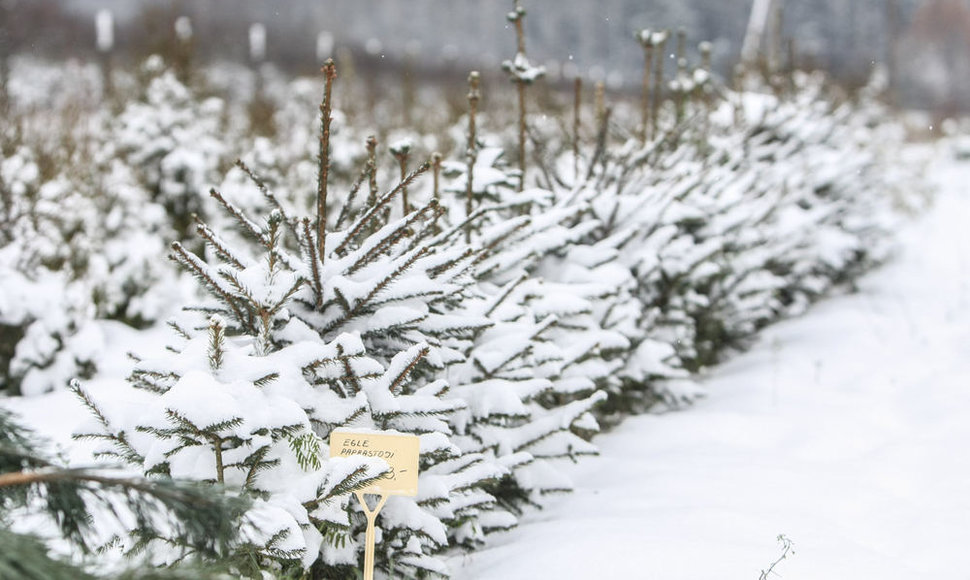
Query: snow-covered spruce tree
(79,242)
(37,316)
(577,266)
(385,305)
(351,340)
(591,175)
(171,138)
(403,285)
(222,410)
(564,320)
(531,378)
(81,503)
(789,206)
(724,220)
(742,223)
(687,275)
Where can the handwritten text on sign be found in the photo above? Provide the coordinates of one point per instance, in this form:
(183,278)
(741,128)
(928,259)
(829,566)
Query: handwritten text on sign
(399,451)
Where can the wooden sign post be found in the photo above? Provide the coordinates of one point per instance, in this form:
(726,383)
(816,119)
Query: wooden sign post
(401,454)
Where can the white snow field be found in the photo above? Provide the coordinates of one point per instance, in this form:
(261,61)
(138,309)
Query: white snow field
(846,430)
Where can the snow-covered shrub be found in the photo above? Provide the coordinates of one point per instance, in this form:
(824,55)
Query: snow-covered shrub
(221,411)
(81,242)
(368,301)
(531,378)
(498,325)
(425,305)
(765,205)
(170,138)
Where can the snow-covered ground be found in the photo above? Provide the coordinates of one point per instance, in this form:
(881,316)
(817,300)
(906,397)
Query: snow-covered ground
(846,430)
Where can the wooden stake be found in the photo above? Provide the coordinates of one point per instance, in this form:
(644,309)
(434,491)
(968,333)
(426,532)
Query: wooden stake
(400,451)
(371,536)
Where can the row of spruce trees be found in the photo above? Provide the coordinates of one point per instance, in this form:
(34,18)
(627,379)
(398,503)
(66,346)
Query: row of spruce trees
(549,275)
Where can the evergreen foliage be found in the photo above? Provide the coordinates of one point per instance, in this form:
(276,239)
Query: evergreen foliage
(173,141)
(194,522)
(79,241)
(377,291)
(499,315)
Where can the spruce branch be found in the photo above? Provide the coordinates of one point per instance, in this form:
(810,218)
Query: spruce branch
(218,244)
(254,463)
(436,158)
(659,41)
(522,74)
(348,370)
(272,237)
(371,145)
(264,189)
(543,325)
(357,479)
(197,267)
(191,434)
(577,107)
(67,488)
(452,264)
(471,149)
(153,381)
(490,247)
(479,214)
(341,300)
(177,328)
(397,382)
(430,296)
(275,309)
(347,209)
(384,245)
(246,302)
(195,519)
(118,438)
(306,448)
(265,380)
(26,557)
(429,227)
(371,214)
(646,42)
(506,292)
(323,169)
(359,307)
(217,337)
(316,281)
(402,152)
(247,225)
(600,151)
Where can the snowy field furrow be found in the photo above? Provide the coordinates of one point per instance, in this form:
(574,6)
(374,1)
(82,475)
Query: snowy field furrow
(845,430)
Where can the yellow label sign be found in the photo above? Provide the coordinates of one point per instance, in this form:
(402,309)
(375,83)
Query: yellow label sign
(399,451)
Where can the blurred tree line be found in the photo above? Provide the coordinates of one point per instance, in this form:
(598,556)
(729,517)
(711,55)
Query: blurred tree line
(923,40)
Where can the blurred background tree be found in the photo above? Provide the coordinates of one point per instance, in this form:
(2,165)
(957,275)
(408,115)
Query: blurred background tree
(848,38)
